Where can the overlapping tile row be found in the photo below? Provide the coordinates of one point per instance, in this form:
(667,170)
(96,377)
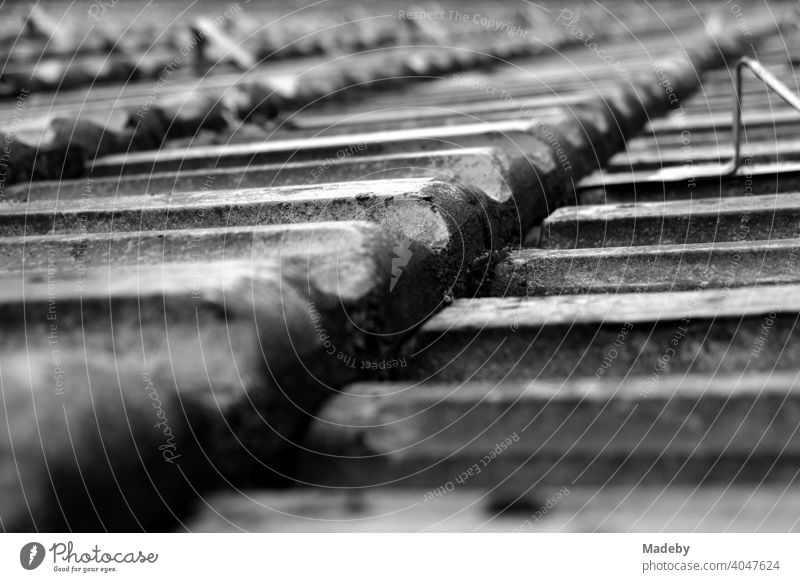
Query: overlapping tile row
(543,144)
(237,313)
(112,42)
(678,157)
(666,215)
(663,356)
(635,342)
(653,388)
(237,34)
(159,101)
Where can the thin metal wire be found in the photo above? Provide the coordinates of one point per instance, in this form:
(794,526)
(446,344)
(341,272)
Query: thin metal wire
(770,81)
